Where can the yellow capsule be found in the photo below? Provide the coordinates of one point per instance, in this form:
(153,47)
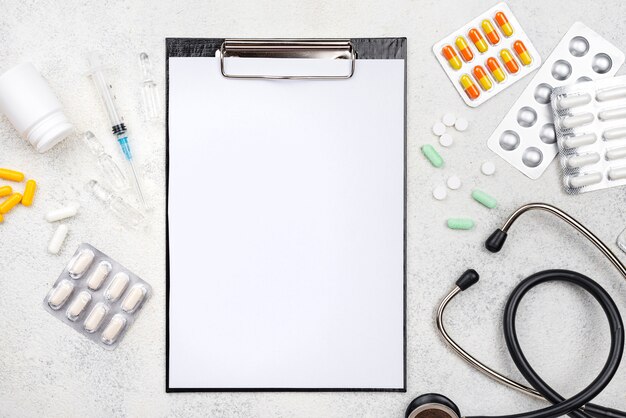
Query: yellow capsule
(10,202)
(11,175)
(5,191)
(29,193)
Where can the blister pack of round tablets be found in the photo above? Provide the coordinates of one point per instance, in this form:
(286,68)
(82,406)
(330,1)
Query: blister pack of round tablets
(97,296)
(526,137)
(590,121)
(487,55)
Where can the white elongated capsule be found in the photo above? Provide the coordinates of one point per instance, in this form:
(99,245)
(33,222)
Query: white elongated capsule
(57,239)
(577,120)
(78,306)
(585,180)
(99,275)
(80,263)
(117,286)
(583,160)
(567,102)
(617,173)
(611,114)
(134,298)
(60,294)
(579,141)
(95,317)
(616,153)
(615,133)
(113,329)
(611,94)
(62,213)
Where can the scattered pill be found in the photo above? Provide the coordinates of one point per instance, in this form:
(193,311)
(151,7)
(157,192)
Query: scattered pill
(478,40)
(134,298)
(464,49)
(469,87)
(99,275)
(496,70)
(62,213)
(488,168)
(575,100)
(29,193)
(5,191)
(113,329)
(448,119)
(57,239)
(585,180)
(453,59)
(439,129)
(78,306)
(58,295)
(481,76)
(460,223)
(446,140)
(484,199)
(522,53)
(440,193)
(577,120)
(80,263)
(10,203)
(11,175)
(454,183)
(504,24)
(117,287)
(95,317)
(490,32)
(432,155)
(509,61)
(461,124)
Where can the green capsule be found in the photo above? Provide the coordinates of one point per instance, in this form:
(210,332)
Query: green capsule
(484,199)
(460,223)
(432,155)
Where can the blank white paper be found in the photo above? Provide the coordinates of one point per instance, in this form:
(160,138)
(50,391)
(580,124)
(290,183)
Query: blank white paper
(286,228)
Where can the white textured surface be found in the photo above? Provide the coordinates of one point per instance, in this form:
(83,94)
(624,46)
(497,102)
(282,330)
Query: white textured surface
(49,370)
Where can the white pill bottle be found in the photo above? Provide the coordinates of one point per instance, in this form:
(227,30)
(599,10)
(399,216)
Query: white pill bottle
(32,107)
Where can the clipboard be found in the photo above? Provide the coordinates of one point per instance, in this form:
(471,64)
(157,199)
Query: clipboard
(373,314)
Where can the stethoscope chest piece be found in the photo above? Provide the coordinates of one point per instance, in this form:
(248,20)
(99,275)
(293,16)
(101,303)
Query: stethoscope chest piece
(432,405)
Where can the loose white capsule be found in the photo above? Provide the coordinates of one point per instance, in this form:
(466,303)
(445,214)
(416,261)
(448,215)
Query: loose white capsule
(62,213)
(117,286)
(54,246)
(78,306)
(574,101)
(134,298)
(80,263)
(577,120)
(113,329)
(97,314)
(59,294)
(99,275)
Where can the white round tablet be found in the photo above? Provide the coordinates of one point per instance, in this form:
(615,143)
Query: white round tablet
(446,140)
(488,168)
(440,193)
(439,129)
(454,183)
(448,119)
(461,124)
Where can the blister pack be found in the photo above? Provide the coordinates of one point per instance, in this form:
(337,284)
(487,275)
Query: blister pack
(526,137)
(590,121)
(487,55)
(97,296)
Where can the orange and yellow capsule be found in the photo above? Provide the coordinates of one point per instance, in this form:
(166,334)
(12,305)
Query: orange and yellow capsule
(522,53)
(496,70)
(470,88)
(490,32)
(478,40)
(481,76)
(464,49)
(509,61)
(504,24)
(10,202)
(453,59)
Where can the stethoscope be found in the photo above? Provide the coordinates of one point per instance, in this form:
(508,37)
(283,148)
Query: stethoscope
(434,405)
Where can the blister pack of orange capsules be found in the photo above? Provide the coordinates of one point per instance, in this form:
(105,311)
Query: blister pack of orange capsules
(487,55)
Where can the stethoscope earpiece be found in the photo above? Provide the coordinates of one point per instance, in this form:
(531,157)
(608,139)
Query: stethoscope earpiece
(432,405)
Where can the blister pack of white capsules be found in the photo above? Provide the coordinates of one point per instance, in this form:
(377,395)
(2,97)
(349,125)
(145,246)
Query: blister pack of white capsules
(487,55)
(526,138)
(97,296)
(590,122)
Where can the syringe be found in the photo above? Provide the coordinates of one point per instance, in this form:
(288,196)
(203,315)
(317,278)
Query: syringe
(117,122)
